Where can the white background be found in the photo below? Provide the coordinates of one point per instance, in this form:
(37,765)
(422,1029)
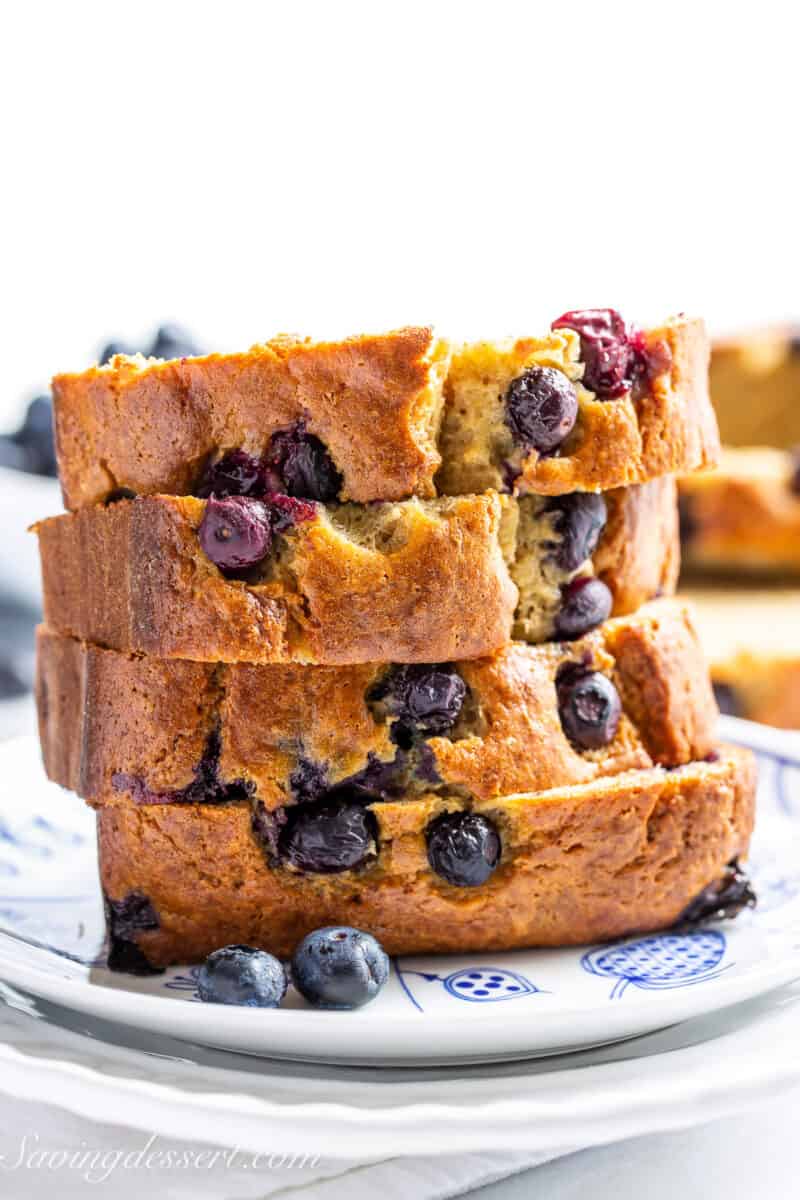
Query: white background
(322,167)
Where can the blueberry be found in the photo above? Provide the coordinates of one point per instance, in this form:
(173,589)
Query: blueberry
(589,707)
(425,698)
(111,349)
(339,967)
(331,837)
(727,700)
(303,464)
(173,341)
(237,473)
(721,900)
(124,918)
(612,359)
(13,455)
(235,533)
(35,436)
(578,519)
(585,603)
(541,407)
(463,847)
(242,975)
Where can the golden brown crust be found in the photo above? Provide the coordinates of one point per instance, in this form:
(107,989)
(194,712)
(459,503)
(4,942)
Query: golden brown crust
(411,582)
(580,864)
(105,715)
(150,426)
(755,384)
(744,517)
(376,403)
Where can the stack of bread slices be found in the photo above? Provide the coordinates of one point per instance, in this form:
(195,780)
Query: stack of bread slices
(380,633)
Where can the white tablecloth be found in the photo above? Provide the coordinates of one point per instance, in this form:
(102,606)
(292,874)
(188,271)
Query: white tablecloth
(47,1152)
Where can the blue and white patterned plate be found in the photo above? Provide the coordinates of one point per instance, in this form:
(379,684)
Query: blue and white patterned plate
(453,1009)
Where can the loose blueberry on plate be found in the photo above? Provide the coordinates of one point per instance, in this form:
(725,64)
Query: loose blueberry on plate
(589,707)
(578,518)
(585,603)
(339,967)
(235,533)
(463,847)
(242,975)
(612,358)
(327,838)
(541,407)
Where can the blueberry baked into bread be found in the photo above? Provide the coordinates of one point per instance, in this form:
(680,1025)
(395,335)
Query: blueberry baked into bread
(380,633)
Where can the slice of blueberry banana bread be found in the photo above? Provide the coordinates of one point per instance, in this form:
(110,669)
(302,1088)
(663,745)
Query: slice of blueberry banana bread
(745,516)
(755,387)
(751,637)
(122,729)
(591,405)
(286,580)
(441,873)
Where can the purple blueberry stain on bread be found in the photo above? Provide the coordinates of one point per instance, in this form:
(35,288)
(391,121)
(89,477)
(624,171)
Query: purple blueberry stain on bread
(463,848)
(588,705)
(722,900)
(541,407)
(585,603)
(303,465)
(614,357)
(266,825)
(125,918)
(205,788)
(578,519)
(308,781)
(329,838)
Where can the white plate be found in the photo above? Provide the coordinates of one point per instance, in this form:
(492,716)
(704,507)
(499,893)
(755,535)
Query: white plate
(433,1010)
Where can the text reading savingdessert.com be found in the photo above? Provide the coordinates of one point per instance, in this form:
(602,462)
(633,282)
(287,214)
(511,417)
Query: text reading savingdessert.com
(98,1164)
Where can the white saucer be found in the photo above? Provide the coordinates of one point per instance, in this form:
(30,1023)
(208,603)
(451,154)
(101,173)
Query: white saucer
(459,1009)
